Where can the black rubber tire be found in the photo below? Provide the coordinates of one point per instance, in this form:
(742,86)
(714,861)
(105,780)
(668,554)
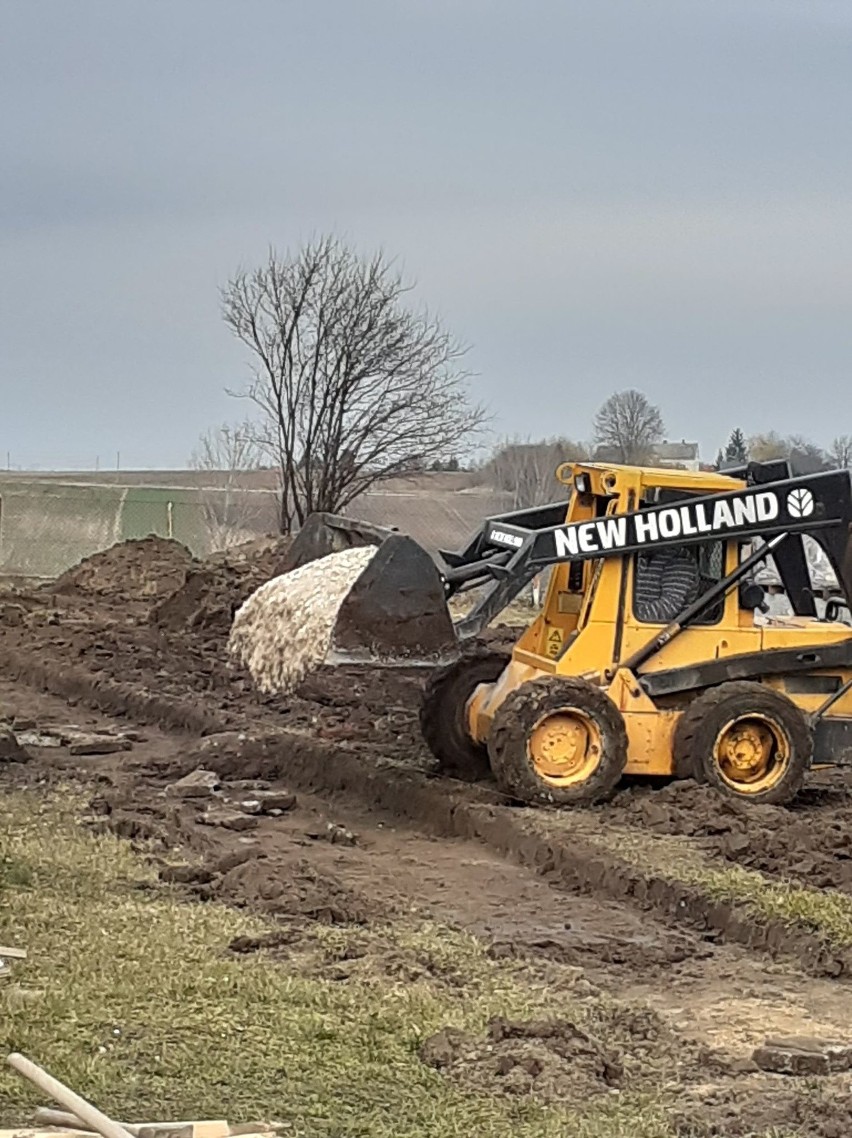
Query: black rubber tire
(443,720)
(698,728)
(517,718)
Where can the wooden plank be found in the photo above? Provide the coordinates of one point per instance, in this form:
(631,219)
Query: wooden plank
(197,1128)
(214,1129)
(47,1117)
(89,1115)
(13,953)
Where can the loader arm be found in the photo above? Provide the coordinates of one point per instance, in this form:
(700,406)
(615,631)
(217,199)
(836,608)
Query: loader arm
(395,610)
(510,549)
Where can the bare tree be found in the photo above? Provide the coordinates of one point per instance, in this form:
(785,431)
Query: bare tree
(527,470)
(352,385)
(229,507)
(629,426)
(840,452)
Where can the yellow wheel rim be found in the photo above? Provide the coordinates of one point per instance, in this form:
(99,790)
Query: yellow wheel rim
(752,754)
(565,747)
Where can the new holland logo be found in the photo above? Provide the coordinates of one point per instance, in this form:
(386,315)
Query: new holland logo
(650,527)
(800,503)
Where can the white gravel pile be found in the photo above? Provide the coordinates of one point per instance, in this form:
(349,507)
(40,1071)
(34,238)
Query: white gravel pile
(283,630)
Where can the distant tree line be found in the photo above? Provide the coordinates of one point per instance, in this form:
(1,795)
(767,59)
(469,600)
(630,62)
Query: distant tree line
(804,456)
(627,427)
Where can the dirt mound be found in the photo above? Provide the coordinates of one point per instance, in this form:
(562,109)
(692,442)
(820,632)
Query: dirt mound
(139,570)
(557,1060)
(810,841)
(210,595)
(295,890)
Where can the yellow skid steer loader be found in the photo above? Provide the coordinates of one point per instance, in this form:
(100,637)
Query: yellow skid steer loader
(650,655)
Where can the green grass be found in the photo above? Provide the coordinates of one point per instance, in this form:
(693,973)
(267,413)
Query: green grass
(130,995)
(824,912)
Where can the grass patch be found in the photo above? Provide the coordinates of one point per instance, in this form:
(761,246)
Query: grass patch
(130,995)
(824,912)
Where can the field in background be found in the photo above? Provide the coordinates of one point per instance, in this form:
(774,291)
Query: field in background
(50,522)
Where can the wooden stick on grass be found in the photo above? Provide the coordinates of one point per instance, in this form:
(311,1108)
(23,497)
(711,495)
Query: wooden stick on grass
(44,1116)
(88,1114)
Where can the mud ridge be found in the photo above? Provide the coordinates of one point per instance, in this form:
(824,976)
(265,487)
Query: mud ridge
(109,696)
(442,809)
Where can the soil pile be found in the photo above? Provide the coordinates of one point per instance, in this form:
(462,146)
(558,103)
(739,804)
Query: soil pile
(809,841)
(557,1060)
(277,886)
(211,594)
(147,569)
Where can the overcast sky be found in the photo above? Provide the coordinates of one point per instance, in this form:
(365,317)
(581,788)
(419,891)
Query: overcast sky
(637,193)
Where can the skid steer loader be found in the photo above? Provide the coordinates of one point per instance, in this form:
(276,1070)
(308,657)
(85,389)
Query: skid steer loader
(650,655)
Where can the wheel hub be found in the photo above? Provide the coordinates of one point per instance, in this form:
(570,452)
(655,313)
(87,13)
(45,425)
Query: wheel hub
(565,746)
(751,752)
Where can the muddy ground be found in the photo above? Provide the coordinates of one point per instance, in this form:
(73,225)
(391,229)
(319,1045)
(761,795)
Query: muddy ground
(147,625)
(148,617)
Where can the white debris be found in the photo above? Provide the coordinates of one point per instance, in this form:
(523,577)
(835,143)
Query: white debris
(283,630)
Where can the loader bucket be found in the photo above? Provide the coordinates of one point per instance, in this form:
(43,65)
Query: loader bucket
(396,611)
(330,533)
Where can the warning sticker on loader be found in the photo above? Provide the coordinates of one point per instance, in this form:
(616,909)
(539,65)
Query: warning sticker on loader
(553,644)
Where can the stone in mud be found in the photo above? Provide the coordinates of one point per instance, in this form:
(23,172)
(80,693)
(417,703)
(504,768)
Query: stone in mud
(803,1055)
(12,615)
(229,819)
(11,750)
(33,738)
(267,801)
(337,835)
(247,784)
(98,745)
(250,806)
(199,783)
(276,800)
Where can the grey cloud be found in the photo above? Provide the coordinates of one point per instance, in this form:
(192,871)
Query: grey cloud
(594,194)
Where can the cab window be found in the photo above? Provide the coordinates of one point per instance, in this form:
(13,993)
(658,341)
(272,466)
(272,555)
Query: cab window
(667,581)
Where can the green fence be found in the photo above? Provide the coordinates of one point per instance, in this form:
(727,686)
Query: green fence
(48,526)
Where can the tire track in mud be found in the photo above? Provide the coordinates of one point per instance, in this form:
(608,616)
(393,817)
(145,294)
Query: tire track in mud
(443,809)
